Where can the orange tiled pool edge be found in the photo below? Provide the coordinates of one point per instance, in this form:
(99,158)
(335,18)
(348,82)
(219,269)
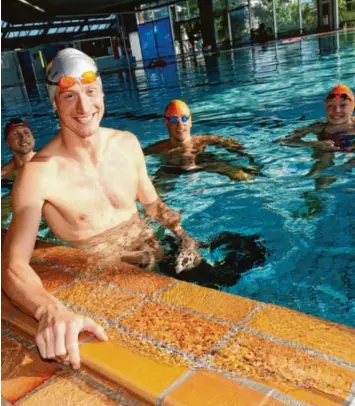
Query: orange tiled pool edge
(173,343)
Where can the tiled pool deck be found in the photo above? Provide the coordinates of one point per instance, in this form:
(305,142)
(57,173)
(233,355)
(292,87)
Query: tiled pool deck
(173,343)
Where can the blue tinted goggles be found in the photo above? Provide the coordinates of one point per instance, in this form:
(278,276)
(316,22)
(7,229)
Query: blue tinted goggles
(176,119)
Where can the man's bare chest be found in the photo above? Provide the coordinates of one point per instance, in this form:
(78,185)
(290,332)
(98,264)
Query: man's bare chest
(86,188)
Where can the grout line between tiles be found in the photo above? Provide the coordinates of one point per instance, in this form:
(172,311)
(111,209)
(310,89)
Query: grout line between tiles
(350,400)
(266,398)
(95,278)
(132,310)
(292,344)
(65,286)
(116,396)
(145,300)
(167,348)
(259,387)
(174,386)
(80,375)
(5,402)
(257,309)
(39,387)
(186,310)
(26,343)
(11,315)
(80,309)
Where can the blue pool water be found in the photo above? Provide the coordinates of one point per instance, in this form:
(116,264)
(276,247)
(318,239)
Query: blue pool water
(254,95)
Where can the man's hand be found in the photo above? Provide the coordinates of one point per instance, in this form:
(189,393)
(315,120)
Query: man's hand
(160,211)
(189,257)
(58,331)
(232,144)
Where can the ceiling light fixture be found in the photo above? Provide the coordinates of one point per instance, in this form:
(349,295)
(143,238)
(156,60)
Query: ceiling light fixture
(29,4)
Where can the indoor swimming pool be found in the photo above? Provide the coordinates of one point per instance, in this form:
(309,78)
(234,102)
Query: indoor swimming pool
(302,224)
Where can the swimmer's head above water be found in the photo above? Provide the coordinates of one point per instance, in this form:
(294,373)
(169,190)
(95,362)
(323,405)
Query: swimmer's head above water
(339,105)
(69,67)
(18,136)
(177,117)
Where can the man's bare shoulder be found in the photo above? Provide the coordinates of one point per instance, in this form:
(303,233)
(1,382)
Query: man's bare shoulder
(7,168)
(122,141)
(206,137)
(118,136)
(160,146)
(42,167)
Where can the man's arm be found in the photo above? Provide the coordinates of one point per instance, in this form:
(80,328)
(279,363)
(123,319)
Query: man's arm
(156,148)
(147,195)
(228,143)
(7,168)
(157,209)
(58,328)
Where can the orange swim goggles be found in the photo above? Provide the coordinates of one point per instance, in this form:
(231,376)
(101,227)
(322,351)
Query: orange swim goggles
(68,81)
(339,96)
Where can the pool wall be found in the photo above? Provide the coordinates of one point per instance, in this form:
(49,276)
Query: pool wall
(173,343)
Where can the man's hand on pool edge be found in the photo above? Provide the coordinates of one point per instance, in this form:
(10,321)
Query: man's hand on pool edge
(58,331)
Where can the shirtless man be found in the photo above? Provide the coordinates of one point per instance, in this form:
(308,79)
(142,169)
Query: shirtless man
(20,141)
(182,152)
(85,183)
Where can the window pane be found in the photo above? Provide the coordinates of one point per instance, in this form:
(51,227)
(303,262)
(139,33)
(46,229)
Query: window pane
(261,12)
(187,10)
(240,25)
(221,27)
(237,3)
(219,5)
(309,16)
(347,12)
(160,13)
(287,17)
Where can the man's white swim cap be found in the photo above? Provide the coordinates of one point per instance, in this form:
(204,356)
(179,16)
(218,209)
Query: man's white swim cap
(68,61)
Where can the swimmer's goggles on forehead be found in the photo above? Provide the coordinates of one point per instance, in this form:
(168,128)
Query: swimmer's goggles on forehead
(343,96)
(176,119)
(68,81)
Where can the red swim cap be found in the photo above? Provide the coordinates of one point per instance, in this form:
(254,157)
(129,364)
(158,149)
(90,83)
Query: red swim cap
(13,123)
(177,108)
(340,92)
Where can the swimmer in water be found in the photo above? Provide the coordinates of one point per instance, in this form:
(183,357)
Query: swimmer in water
(183,153)
(19,139)
(85,182)
(338,132)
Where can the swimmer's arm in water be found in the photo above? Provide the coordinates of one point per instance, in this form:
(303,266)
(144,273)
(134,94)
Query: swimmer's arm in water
(297,135)
(7,168)
(156,148)
(228,143)
(58,328)
(295,138)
